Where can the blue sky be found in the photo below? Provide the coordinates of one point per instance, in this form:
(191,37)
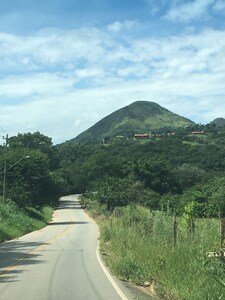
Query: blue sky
(65,64)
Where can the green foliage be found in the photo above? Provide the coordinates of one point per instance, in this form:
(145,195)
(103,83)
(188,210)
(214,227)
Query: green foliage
(28,180)
(188,175)
(16,221)
(171,169)
(218,123)
(149,198)
(29,140)
(138,117)
(215,193)
(140,248)
(72,159)
(190,213)
(113,192)
(182,175)
(30,176)
(35,141)
(156,173)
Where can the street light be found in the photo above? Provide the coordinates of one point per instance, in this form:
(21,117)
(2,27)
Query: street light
(4,174)
(5,163)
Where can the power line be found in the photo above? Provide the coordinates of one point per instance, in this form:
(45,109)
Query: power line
(3,130)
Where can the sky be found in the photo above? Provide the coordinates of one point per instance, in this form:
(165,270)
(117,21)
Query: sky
(66,64)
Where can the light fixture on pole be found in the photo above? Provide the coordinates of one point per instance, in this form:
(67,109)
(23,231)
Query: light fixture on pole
(5,165)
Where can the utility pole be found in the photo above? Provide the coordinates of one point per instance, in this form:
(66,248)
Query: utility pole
(5,166)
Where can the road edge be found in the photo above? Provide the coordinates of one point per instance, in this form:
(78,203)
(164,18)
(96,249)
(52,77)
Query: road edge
(108,275)
(101,263)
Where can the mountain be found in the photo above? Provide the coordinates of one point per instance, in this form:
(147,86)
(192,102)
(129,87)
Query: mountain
(219,122)
(138,117)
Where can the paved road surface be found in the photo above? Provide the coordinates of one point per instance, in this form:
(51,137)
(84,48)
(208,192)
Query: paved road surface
(56,263)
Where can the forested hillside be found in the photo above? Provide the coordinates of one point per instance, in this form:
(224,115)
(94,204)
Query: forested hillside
(160,205)
(161,200)
(161,172)
(138,117)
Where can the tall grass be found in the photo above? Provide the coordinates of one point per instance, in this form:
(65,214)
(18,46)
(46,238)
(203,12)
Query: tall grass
(139,246)
(16,221)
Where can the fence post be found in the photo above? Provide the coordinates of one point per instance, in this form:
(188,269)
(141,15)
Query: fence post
(174,231)
(192,226)
(222,231)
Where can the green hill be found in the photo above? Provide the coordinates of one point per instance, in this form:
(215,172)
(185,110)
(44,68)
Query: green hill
(219,122)
(138,117)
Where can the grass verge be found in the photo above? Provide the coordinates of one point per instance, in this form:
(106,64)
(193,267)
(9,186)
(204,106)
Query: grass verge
(16,221)
(138,246)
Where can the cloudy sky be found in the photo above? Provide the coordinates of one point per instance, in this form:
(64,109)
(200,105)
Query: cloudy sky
(65,64)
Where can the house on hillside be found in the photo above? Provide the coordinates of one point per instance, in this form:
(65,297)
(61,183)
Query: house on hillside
(154,135)
(142,136)
(197,132)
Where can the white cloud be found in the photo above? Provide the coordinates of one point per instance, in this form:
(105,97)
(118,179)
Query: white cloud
(219,6)
(89,72)
(155,6)
(115,27)
(138,70)
(51,47)
(65,81)
(34,84)
(118,26)
(189,10)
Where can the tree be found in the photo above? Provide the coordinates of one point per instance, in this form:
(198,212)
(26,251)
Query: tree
(37,180)
(113,192)
(188,175)
(29,140)
(149,198)
(25,180)
(216,197)
(157,174)
(35,141)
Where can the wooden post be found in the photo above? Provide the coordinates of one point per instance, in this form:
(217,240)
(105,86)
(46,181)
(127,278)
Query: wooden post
(192,226)
(222,232)
(174,231)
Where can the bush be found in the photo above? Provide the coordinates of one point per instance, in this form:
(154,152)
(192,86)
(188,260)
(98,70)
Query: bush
(16,221)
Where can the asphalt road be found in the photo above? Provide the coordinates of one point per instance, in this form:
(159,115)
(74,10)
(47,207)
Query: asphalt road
(58,262)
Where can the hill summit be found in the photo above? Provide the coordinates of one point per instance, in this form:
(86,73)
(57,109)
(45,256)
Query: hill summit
(219,122)
(138,117)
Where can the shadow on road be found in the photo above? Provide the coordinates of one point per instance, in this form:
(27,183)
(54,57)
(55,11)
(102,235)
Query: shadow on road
(68,205)
(16,253)
(68,223)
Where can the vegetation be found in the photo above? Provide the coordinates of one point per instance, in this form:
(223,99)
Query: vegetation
(159,172)
(31,171)
(161,199)
(153,249)
(17,221)
(160,202)
(138,117)
(33,184)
